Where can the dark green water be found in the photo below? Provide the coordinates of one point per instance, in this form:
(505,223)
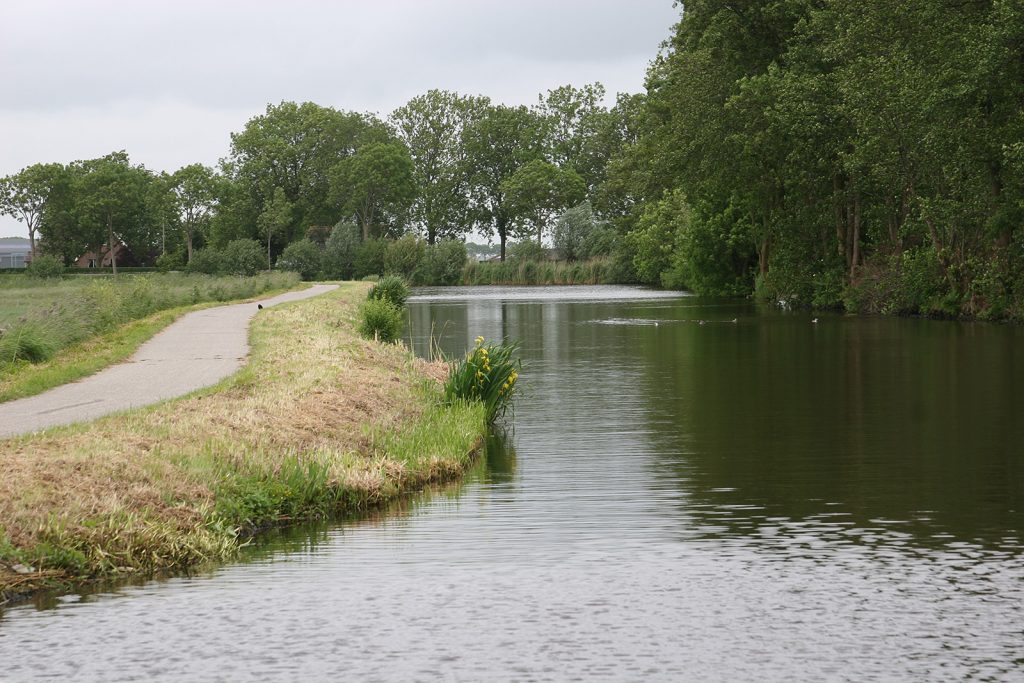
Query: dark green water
(770,499)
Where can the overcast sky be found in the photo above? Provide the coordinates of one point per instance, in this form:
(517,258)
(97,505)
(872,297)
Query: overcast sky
(168,81)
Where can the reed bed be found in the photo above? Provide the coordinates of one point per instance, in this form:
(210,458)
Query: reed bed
(596,272)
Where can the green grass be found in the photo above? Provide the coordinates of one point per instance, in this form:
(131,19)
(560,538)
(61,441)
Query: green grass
(57,332)
(487,375)
(320,422)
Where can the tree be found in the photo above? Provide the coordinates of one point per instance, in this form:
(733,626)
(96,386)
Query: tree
(23,196)
(538,190)
(111,204)
(573,230)
(275,218)
(375,185)
(579,132)
(194,192)
(293,147)
(497,142)
(431,127)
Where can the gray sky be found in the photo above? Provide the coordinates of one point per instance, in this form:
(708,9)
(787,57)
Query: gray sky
(168,81)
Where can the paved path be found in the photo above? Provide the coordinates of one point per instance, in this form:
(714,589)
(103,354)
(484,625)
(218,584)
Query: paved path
(200,349)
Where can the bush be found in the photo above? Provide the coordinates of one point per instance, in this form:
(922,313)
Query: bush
(340,252)
(381,320)
(45,266)
(602,241)
(403,255)
(369,258)
(390,288)
(209,261)
(442,263)
(303,257)
(244,257)
(487,374)
(172,260)
(527,250)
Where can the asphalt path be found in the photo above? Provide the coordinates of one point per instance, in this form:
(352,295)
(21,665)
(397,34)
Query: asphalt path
(200,349)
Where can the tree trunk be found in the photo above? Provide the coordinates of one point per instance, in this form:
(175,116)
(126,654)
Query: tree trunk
(110,244)
(855,252)
(188,245)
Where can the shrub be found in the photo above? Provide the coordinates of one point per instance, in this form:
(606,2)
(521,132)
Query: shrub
(369,258)
(381,320)
(209,261)
(340,252)
(442,263)
(487,374)
(601,241)
(45,266)
(244,257)
(403,255)
(303,257)
(390,288)
(172,260)
(527,250)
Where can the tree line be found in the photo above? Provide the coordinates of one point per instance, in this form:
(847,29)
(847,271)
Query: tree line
(864,154)
(440,166)
(831,153)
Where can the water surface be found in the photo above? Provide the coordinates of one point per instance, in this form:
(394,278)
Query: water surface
(689,489)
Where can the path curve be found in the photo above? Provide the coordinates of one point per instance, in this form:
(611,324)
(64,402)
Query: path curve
(200,349)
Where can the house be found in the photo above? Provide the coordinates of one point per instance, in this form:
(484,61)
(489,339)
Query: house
(14,252)
(91,259)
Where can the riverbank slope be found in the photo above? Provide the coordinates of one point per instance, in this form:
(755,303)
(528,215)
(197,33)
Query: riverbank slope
(320,421)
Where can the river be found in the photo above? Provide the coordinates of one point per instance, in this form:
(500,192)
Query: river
(689,489)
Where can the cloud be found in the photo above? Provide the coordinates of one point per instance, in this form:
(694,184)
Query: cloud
(168,81)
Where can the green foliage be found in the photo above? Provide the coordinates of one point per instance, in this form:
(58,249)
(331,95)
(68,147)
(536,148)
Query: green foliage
(488,374)
(209,261)
(243,257)
(375,186)
(573,231)
(442,263)
(303,257)
(526,251)
(172,260)
(600,242)
(595,272)
(45,266)
(403,255)
(34,341)
(539,190)
(369,259)
(381,320)
(340,252)
(391,288)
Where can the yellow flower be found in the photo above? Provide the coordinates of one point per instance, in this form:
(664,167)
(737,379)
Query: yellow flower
(479,341)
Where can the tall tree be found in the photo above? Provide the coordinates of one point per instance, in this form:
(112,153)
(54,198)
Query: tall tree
(111,204)
(497,143)
(538,190)
(293,147)
(431,127)
(275,218)
(23,196)
(194,189)
(375,186)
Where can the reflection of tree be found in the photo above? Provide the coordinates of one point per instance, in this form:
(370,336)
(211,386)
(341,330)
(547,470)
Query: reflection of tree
(889,419)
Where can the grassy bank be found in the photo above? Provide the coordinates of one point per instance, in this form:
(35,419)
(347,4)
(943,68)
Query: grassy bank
(75,328)
(319,422)
(596,272)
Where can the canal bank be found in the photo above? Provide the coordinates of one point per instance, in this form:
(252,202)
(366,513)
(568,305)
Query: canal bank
(319,422)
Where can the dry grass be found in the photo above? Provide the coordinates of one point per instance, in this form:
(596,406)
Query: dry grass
(319,421)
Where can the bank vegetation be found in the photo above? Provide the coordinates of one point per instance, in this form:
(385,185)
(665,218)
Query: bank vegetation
(321,421)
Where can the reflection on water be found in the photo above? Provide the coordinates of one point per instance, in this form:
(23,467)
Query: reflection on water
(690,489)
